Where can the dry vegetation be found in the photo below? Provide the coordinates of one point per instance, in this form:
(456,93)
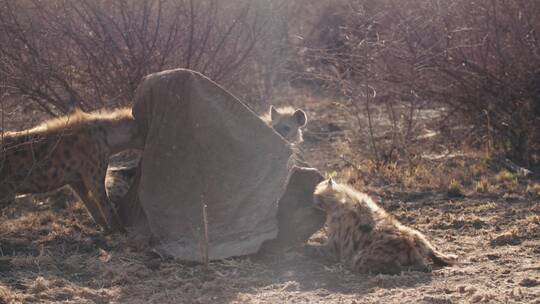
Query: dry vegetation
(53,253)
(419,103)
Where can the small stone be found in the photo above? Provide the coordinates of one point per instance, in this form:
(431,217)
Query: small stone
(477,298)
(528,282)
(493,256)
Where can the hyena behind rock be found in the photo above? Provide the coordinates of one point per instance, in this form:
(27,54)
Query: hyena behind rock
(121,174)
(72,150)
(367,239)
(287,122)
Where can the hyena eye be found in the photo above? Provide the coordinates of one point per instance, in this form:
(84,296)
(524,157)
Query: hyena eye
(283,130)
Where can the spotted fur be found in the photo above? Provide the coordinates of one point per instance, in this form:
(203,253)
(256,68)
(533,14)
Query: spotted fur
(367,239)
(119,180)
(71,150)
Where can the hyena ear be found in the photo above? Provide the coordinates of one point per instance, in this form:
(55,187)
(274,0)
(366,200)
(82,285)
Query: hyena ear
(273,113)
(300,117)
(331,183)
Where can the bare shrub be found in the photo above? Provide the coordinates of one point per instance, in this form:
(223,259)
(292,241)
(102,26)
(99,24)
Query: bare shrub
(478,59)
(482,60)
(350,50)
(89,53)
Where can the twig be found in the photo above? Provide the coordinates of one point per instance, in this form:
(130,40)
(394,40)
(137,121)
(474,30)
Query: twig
(203,244)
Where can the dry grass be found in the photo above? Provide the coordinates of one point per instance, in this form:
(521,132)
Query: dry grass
(497,241)
(483,185)
(53,253)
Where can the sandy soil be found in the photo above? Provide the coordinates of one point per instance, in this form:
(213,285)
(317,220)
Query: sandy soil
(51,252)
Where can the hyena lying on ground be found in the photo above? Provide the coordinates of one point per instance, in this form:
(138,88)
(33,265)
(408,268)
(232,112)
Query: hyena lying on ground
(72,150)
(287,122)
(367,239)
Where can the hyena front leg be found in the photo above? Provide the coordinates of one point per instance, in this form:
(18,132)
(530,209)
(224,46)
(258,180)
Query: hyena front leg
(365,262)
(322,252)
(390,257)
(96,187)
(90,203)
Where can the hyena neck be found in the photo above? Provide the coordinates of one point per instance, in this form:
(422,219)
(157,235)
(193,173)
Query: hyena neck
(299,137)
(123,136)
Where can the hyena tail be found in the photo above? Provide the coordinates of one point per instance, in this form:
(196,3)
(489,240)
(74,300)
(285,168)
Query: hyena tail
(438,258)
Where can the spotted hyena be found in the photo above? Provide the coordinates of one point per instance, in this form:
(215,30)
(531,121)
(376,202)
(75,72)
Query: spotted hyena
(367,239)
(72,150)
(287,122)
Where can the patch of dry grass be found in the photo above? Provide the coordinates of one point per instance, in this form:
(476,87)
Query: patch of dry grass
(505,176)
(54,254)
(455,177)
(454,188)
(533,189)
(8,296)
(483,185)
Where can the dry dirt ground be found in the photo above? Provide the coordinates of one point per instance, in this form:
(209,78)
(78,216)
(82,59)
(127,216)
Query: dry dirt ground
(51,251)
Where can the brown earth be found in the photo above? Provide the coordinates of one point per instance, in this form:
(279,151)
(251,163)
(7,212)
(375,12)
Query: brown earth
(51,251)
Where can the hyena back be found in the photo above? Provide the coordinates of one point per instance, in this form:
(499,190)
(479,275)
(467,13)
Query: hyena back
(287,122)
(72,150)
(367,239)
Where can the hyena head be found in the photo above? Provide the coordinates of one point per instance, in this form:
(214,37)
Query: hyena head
(123,131)
(326,195)
(287,122)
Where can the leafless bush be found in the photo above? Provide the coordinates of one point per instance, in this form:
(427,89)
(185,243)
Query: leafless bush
(266,76)
(346,52)
(89,53)
(480,59)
